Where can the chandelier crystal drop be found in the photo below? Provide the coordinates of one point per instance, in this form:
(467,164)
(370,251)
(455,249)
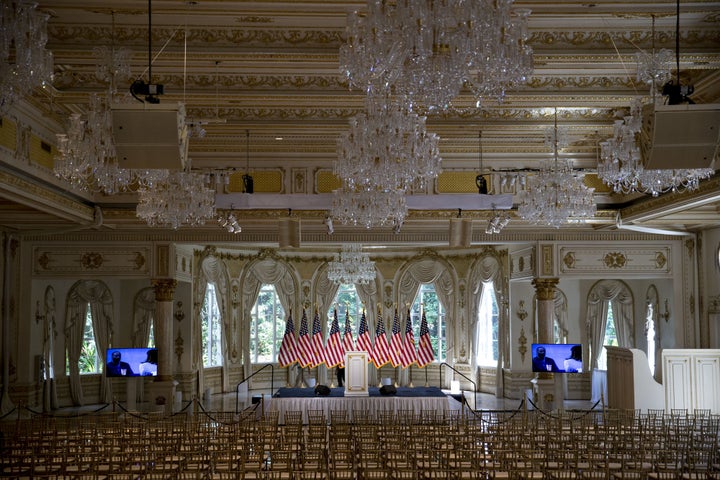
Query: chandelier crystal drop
(427,50)
(183,198)
(24,62)
(556,195)
(369,207)
(654,68)
(351,266)
(86,153)
(620,165)
(387,148)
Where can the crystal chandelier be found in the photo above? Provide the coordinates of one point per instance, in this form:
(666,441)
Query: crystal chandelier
(387,148)
(427,50)
(86,153)
(369,207)
(351,266)
(25,29)
(654,68)
(557,194)
(620,165)
(180,198)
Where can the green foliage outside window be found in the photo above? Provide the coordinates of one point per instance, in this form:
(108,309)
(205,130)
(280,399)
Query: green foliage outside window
(435,315)
(211,330)
(268,326)
(346,299)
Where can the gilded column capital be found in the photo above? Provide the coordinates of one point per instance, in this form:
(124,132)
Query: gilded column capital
(164,289)
(545,287)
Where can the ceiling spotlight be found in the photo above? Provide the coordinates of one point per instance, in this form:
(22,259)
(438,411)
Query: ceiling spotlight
(229,222)
(498,221)
(329,224)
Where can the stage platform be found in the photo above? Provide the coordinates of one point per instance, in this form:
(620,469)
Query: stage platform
(406,398)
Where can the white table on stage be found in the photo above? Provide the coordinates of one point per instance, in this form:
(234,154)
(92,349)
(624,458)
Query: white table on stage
(371,404)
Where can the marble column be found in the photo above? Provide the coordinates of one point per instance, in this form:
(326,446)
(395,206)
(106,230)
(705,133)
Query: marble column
(548,388)
(162,390)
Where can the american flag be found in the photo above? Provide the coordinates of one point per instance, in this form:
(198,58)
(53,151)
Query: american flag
(348,342)
(288,348)
(334,350)
(363,339)
(425,353)
(408,355)
(381,349)
(396,342)
(318,346)
(304,344)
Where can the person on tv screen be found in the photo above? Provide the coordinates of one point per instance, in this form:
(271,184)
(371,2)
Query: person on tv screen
(573,363)
(541,363)
(149,366)
(118,367)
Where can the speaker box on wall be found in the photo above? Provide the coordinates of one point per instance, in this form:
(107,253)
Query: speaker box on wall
(679,136)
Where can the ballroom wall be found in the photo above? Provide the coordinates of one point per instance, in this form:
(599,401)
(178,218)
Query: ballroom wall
(38,265)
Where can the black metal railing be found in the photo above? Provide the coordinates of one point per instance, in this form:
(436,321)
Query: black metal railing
(272,382)
(462,391)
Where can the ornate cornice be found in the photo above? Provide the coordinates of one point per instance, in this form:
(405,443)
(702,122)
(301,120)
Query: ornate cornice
(13,186)
(709,191)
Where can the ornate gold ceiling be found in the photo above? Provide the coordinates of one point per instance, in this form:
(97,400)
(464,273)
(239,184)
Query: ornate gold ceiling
(271,69)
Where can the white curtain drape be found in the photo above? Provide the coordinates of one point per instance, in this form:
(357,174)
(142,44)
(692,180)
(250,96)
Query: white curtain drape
(368,294)
(95,295)
(260,272)
(652,307)
(143,311)
(325,291)
(488,269)
(561,313)
(437,272)
(196,352)
(50,395)
(603,294)
(215,272)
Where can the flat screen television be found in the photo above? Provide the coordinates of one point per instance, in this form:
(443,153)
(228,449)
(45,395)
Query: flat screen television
(557,357)
(131,362)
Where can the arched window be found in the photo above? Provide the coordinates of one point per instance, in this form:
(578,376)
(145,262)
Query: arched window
(347,301)
(90,361)
(609,319)
(428,301)
(211,329)
(487,327)
(267,327)
(610,337)
(652,334)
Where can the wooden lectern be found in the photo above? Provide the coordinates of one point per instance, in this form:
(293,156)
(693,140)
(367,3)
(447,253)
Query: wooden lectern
(356,374)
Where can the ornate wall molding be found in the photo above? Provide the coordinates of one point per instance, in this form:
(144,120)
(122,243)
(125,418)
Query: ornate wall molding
(91,260)
(522,264)
(615,260)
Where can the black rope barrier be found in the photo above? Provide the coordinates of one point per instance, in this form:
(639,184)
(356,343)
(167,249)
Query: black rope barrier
(515,412)
(556,417)
(55,415)
(252,409)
